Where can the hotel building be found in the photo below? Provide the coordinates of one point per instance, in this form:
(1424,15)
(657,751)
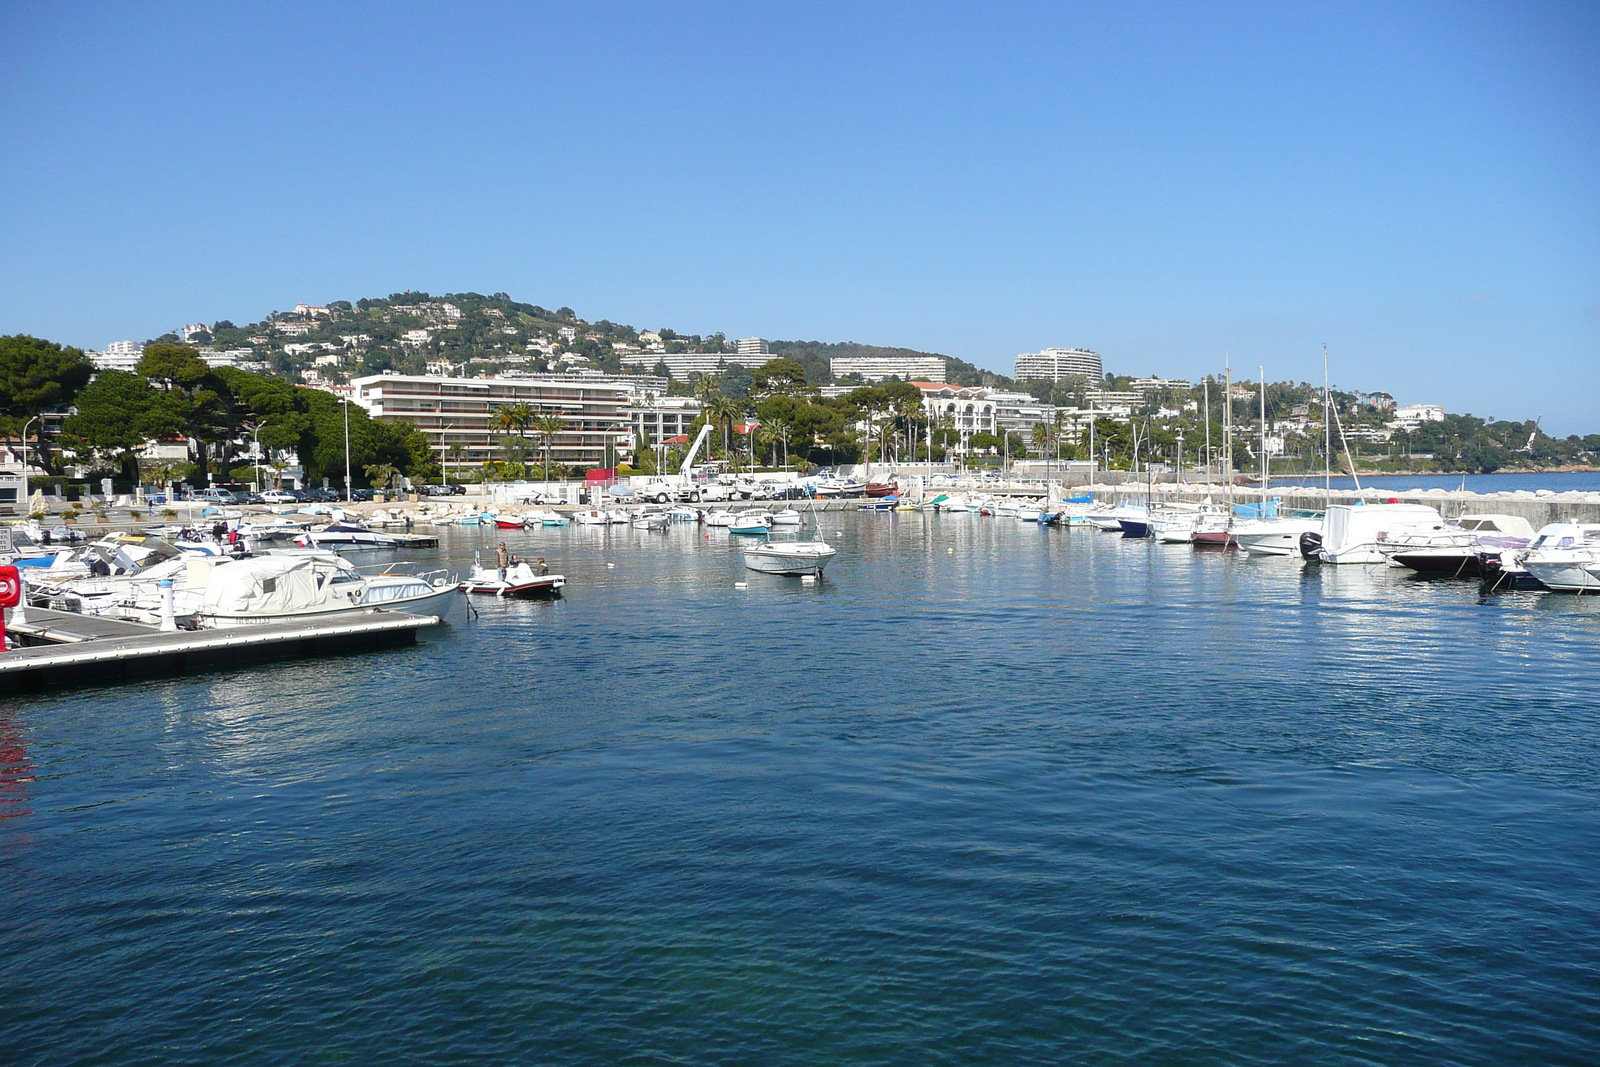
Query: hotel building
(1054,364)
(461,412)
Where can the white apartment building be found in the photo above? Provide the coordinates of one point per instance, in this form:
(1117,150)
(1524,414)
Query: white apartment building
(460,412)
(415,337)
(231,357)
(1019,412)
(752,346)
(118,355)
(1414,415)
(1153,384)
(661,418)
(878,368)
(568,334)
(312,311)
(682,364)
(965,409)
(1054,364)
(13,478)
(1104,399)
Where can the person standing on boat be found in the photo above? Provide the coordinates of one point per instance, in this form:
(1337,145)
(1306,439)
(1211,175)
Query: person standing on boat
(544,568)
(505,558)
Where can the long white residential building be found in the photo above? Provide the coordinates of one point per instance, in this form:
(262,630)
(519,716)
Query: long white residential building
(461,412)
(118,355)
(1054,364)
(682,364)
(878,368)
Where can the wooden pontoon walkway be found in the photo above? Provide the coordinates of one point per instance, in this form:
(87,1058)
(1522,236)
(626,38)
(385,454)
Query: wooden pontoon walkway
(67,649)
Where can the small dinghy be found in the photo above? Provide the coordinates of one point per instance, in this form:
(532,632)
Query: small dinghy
(519,580)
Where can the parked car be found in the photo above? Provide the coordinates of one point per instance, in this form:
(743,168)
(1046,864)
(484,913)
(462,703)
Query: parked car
(278,496)
(216,496)
(361,494)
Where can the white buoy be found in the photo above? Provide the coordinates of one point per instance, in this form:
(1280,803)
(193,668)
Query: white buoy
(808,579)
(611,566)
(741,585)
(950,551)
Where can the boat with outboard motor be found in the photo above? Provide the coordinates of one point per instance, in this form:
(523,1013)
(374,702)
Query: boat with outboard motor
(1350,532)
(1458,547)
(521,579)
(789,557)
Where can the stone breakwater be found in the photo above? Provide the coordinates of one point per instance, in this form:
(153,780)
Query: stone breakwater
(1538,506)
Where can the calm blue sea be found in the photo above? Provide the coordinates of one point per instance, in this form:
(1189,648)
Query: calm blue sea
(1583,481)
(988,794)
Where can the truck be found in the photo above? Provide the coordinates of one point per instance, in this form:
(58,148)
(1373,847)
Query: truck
(682,487)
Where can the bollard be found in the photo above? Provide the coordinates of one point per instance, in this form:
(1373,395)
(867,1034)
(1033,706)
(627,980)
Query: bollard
(168,623)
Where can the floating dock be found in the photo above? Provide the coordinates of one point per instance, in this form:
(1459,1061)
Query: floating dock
(67,649)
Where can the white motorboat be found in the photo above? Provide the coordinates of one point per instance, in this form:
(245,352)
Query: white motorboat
(281,588)
(720,517)
(684,513)
(752,522)
(591,517)
(651,518)
(278,587)
(1459,547)
(520,579)
(1565,557)
(1350,532)
(788,517)
(346,533)
(789,557)
(1274,537)
(1174,528)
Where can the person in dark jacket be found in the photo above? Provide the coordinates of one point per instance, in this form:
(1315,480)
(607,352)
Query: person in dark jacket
(505,558)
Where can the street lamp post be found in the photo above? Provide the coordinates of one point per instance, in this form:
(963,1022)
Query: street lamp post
(1180,459)
(25,426)
(344,400)
(255,452)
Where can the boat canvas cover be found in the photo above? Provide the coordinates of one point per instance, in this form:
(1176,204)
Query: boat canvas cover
(1347,525)
(273,585)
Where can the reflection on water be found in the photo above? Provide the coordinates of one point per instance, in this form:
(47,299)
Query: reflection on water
(987,792)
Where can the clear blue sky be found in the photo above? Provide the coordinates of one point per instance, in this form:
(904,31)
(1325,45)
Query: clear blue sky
(1417,185)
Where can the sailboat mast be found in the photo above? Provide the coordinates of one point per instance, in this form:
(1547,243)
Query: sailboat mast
(1206,392)
(1327,437)
(1092,460)
(1263,442)
(1227,432)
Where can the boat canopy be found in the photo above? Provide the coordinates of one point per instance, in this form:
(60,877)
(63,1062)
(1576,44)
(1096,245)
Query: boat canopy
(268,585)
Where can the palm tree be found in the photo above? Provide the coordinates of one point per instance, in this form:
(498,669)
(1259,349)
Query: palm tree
(778,431)
(547,426)
(381,474)
(514,419)
(722,411)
